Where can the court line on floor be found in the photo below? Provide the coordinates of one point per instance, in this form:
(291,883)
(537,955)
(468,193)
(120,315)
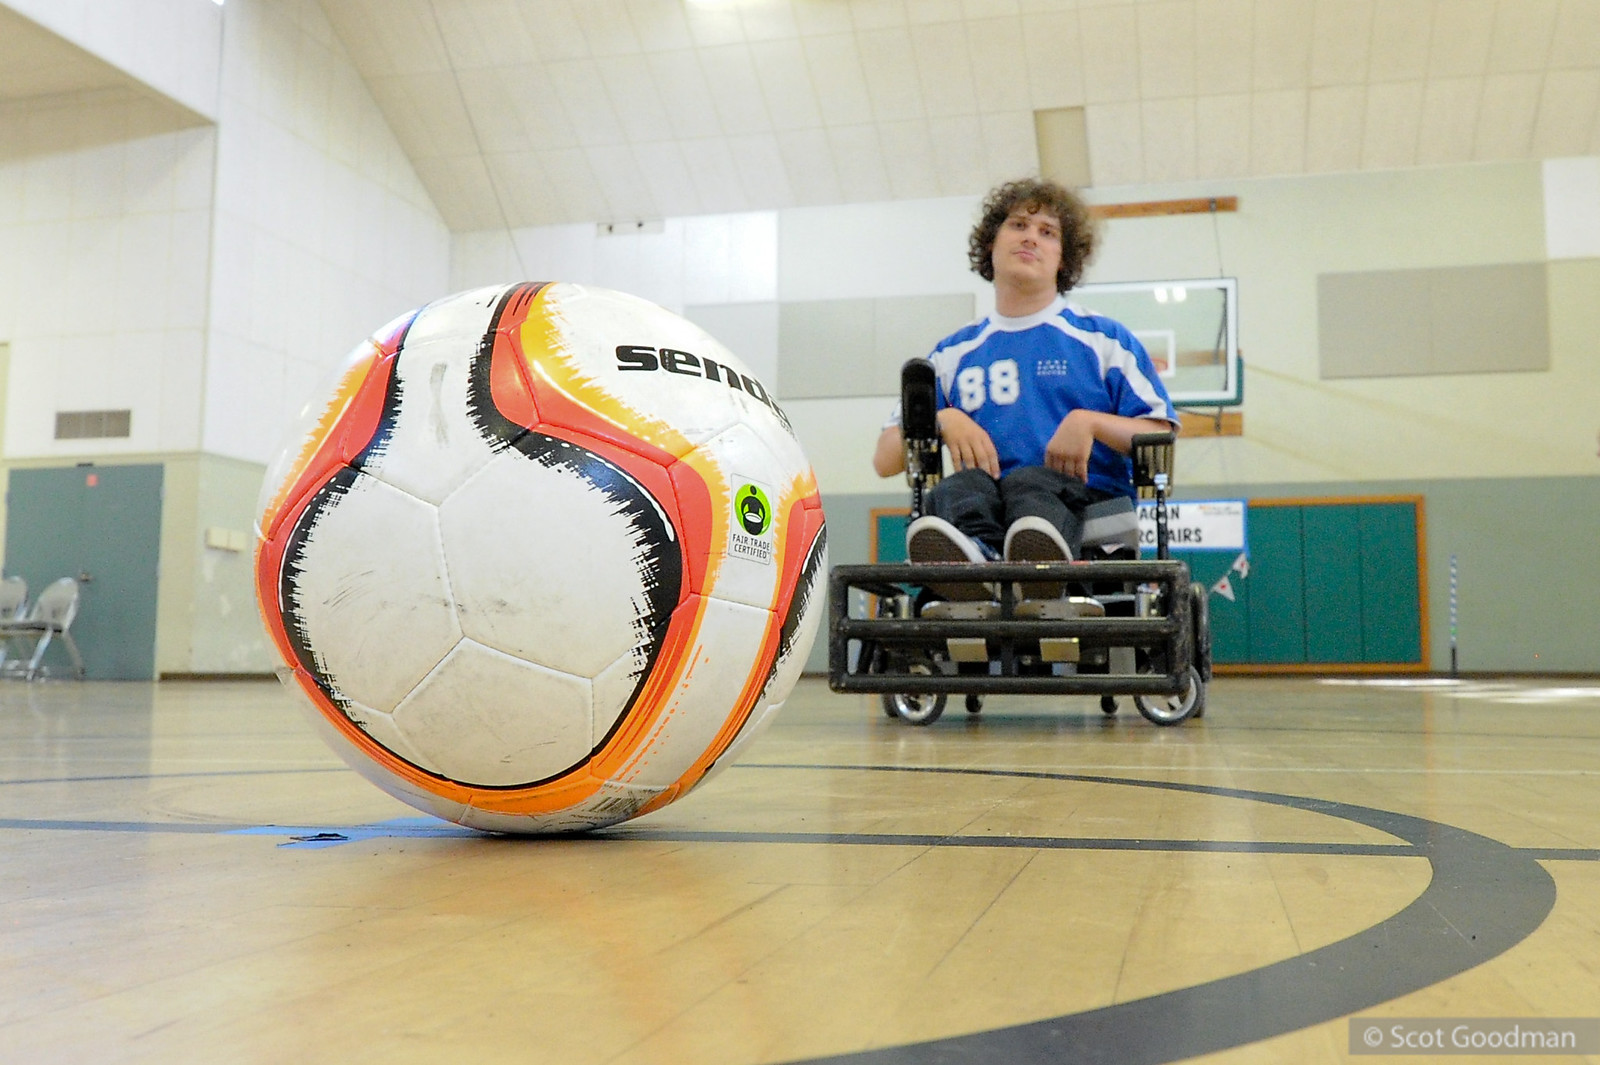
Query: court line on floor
(1483,898)
(1099,767)
(426,827)
(434,828)
(112,778)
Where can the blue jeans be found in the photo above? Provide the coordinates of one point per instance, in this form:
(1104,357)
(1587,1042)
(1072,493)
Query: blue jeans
(984,508)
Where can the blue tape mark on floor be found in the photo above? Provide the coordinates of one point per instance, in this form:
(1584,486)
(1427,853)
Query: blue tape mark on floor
(318,836)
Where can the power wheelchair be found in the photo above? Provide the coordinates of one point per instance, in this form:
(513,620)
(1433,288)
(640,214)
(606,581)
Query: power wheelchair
(1123,625)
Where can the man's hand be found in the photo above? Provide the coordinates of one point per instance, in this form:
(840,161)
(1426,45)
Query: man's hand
(970,447)
(1068,449)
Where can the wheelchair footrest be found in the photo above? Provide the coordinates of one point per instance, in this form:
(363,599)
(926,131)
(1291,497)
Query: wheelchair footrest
(1069,645)
(964,610)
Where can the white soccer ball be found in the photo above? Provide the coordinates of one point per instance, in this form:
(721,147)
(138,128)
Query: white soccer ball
(542,558)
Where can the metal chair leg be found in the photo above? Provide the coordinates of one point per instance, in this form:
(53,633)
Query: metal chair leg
(72,651)
(38,654)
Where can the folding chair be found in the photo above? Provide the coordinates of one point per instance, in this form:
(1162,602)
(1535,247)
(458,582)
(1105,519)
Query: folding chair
(13,599)
(50,617)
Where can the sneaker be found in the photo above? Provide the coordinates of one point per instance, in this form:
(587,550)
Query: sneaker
(931,539)
(1033,539)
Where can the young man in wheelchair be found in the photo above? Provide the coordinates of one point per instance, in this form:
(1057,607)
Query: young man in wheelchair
(1038,403)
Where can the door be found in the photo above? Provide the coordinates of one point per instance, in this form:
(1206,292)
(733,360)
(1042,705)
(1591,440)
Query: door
(101,525)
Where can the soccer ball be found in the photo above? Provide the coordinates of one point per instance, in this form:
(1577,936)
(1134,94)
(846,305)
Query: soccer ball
(542,558)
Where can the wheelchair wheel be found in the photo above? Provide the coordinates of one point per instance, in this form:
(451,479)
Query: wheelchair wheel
(974,703)
(1108,704)
(915,709)
(1173,709)
(1201,621)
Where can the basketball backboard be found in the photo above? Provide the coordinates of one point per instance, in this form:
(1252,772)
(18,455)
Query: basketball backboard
(1189,327)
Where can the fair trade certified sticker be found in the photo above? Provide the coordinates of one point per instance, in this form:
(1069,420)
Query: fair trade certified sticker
(750,532)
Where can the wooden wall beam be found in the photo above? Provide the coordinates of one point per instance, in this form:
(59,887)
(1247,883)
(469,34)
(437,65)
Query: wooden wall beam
(1206,423)
(1156,208)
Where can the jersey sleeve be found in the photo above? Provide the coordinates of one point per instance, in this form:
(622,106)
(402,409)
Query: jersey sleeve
(1134,384)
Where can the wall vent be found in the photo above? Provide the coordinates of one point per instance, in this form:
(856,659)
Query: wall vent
(628,229)
(93,424)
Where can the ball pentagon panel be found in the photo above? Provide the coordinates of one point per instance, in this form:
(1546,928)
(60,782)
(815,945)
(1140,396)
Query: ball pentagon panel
(375,611)
(574,535)
(487,718)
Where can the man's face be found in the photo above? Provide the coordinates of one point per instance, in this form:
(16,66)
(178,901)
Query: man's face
(1027,249)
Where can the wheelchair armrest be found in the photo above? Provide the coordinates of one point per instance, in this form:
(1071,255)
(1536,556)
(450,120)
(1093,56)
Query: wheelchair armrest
(919,400)
(919,427)
(1153,455)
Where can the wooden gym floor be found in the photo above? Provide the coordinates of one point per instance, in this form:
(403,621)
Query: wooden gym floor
(189,875)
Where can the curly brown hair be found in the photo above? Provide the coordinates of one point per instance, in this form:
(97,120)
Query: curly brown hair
(1078,230)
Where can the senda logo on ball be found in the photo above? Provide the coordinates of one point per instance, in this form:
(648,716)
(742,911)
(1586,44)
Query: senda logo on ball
(642,357)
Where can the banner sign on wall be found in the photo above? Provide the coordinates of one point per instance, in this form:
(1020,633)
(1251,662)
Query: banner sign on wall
(1196,525)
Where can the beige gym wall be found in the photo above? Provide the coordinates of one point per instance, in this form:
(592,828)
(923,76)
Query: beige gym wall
(1301,428)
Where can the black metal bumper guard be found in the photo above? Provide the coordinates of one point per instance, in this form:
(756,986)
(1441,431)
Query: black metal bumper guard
(1167,637)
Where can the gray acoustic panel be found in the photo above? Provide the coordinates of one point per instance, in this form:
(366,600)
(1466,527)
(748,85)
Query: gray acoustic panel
(1491,318)
(822,344)
(1460,319)
(835,348)
(749,330)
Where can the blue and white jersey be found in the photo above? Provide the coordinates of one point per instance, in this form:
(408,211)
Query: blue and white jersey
(1019,377)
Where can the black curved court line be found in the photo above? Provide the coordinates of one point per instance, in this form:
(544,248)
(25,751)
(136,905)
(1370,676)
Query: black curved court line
(992,718)
(176,776)
(1066,843)
(1483,899)
(433,828)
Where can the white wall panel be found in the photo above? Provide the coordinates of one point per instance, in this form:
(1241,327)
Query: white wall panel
(173,46)
(182,377)
(646,264)
(99,198)
(704,259)
(313,250)
(1572,207)
(905,248)
(483,258)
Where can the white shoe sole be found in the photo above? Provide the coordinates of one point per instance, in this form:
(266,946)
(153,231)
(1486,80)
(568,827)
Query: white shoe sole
(932,545)
(1032,545)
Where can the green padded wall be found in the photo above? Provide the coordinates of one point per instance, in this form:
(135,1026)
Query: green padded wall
(1528,600)
(892,537)
(1332,584)
(1331,556)
(1276,587)
(1329,583)
(1391,617)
